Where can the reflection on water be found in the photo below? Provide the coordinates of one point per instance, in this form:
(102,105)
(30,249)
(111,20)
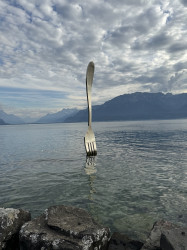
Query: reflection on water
(90,170)
(138,176)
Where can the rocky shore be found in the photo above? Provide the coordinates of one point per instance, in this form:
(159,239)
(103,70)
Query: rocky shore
(71,228)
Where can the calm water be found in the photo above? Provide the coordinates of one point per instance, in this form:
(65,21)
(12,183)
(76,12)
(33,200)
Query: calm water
(138,176)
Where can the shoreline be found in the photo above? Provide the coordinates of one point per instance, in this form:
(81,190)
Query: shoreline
(71,228)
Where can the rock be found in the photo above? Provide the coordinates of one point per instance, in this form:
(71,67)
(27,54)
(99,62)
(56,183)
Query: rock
(37,235)
(161,233)
(66,228)
(120,241)
(11,221)
(174,239)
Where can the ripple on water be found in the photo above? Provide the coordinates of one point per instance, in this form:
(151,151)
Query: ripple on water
(138,176)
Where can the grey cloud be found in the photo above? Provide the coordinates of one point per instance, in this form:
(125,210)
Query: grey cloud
(159,41)
(147,20)
(103,14)
(176,80)
(68,11)
(152,79)
(180,66)
(121,36)
(125,66)
(156,79)
(177,47)
(184,2)
(163,79)
(137,26)
(121,3)
(1,106)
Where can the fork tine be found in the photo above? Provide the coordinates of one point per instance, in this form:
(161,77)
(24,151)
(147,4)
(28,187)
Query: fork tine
(92,147)
(93,151)
(95,148)
(87,148)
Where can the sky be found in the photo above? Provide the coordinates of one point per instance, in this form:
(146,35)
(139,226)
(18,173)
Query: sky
(46,45)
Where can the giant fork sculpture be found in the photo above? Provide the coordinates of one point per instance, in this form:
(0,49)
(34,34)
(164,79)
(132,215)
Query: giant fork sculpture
(89,139)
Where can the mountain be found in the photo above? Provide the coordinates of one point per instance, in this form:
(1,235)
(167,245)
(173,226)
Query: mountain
(2,122)
(57,117)
(137,106)
(10,119)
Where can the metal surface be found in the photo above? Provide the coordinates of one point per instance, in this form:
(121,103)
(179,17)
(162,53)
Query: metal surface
(89,139)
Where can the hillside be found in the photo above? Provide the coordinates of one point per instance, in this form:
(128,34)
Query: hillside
(137,106)
(10,119)
(2,122)
(57,117)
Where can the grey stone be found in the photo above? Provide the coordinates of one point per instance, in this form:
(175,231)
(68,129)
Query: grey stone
(66,228)
(174,239)
(120,241)
(159,228)
(11,221)
(37,235)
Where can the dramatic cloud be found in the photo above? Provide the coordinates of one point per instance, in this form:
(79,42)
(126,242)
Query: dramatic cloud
(45,46)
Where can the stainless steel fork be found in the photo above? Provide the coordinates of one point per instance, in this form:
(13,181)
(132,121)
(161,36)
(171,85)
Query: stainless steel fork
(89,139)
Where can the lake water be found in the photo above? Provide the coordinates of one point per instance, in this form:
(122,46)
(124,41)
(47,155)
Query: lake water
(138,176)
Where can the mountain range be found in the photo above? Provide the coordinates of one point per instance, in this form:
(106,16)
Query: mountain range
(136,106)
(2,122)
(10,119)
(60,116)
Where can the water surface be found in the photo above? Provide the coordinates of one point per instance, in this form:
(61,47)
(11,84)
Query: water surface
(138,176)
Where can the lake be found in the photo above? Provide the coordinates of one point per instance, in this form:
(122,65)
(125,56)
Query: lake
(138,176)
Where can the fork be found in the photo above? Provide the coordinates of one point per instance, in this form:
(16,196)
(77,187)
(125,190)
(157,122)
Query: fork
(89,139)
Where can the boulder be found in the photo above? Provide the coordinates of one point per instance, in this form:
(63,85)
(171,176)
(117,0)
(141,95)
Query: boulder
(66,228)
(11,221)
(165,235)
(120,241)
(174,239)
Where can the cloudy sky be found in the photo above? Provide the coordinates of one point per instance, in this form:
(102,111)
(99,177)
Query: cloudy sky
(46,45)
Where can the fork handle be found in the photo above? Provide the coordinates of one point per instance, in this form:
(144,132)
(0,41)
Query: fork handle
(89,81)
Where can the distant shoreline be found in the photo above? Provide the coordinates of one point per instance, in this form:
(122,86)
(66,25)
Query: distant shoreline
(134,120)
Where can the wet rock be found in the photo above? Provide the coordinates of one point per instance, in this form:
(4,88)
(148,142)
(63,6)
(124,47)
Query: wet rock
(66,228)
(37,235)
(160,234)
(120,241)
(174,239)
(11,221)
